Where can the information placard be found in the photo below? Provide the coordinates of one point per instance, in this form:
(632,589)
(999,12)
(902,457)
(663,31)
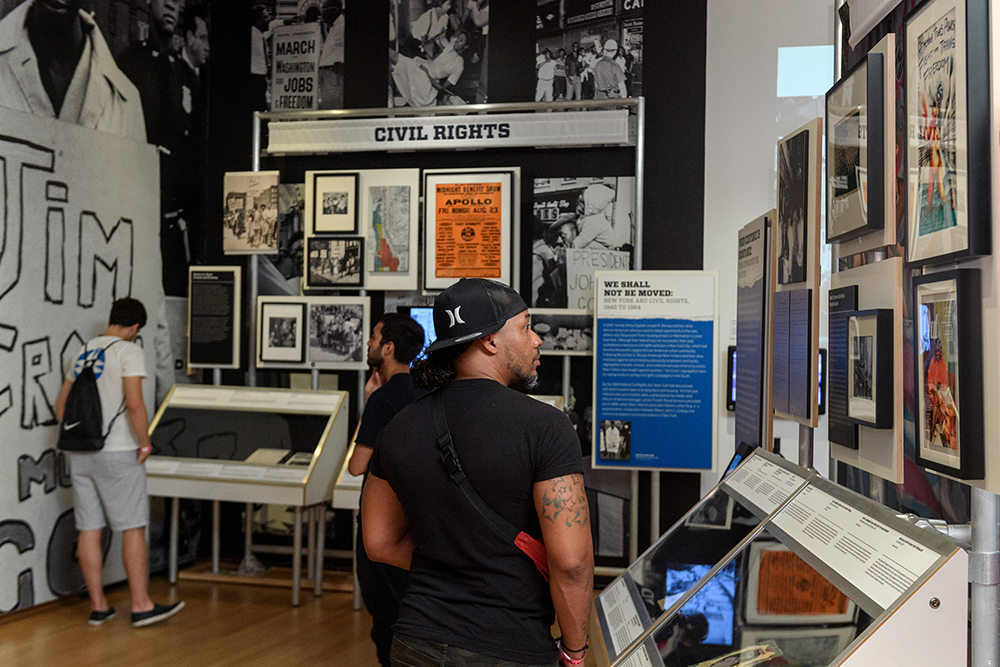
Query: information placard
(763,484)
(655,369)
(214,316)
(880,561)
(754,285)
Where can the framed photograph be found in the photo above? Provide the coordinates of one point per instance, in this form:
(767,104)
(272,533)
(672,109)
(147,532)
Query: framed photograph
(334,203)
(855,188)
(793,207)
(390,214)
(949,373)
(250,213)
(564,332)
(782,589)
(870,372)
(338,330)
(948,139)
(281,331)
(334,262)
(468,220)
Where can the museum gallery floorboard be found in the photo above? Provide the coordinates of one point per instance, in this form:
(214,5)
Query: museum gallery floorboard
(221,624)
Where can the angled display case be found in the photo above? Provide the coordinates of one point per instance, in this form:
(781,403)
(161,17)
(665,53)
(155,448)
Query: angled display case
(825,577)
(250,445)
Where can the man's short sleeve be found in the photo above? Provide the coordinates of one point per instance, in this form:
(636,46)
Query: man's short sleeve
(558,447)
(378,413)
(133,361)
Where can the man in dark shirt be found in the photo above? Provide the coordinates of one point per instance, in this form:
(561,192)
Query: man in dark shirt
(395,341)
(474,596)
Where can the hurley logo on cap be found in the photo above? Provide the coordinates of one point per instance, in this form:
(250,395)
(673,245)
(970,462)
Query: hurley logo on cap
(455,316)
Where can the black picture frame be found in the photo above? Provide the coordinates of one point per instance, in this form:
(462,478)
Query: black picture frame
(950,422)
(857,213)
(961,87)
(349,275)
(870,381)
(272,310)
(327,216)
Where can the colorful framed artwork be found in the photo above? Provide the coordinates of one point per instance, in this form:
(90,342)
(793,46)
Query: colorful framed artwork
(948,140)
(281,332)
(390,214)
(334,203)
(870,371)
(468,226)
(334,262)
(948,372)
(856,176)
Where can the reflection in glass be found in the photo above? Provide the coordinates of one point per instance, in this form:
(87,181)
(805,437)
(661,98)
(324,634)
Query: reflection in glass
(233,435)
(766,607)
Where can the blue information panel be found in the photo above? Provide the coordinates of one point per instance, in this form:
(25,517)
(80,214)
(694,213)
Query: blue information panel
(655,388)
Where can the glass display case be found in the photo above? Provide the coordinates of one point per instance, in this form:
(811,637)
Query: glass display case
(821,577)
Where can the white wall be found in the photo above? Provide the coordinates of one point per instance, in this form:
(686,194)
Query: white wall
(743,122)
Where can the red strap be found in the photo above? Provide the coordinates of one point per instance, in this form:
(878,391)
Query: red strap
(534,550)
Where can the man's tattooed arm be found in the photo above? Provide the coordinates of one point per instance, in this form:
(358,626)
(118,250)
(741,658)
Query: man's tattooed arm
(564,500)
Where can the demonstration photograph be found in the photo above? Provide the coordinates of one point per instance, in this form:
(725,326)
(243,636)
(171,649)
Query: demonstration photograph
(334,262)
(583,54)
(336,332)
(580,225)
(250,213)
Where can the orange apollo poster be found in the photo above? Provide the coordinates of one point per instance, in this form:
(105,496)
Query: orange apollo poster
(467,225)
(468,228)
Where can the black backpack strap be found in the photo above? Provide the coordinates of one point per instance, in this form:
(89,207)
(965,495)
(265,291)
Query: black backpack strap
(91,362)
(450,458)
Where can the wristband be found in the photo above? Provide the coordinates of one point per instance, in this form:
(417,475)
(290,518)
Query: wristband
(568,660)
(147,448)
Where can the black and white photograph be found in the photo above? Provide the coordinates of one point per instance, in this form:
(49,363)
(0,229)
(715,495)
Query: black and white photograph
(862,366)
(793,200)
(158,57)
(334,262)
(304,78)
(583,54)
(616,440)
(438,52)
(581,225)
(336,332)
(250,213)
(281,276)
(334,205)
(564,332)
(282,332)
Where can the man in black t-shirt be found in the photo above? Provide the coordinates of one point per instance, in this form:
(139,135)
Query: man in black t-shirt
(474,597)
(396,340)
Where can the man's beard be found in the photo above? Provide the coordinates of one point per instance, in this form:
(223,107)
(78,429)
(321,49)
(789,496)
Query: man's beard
(521,380)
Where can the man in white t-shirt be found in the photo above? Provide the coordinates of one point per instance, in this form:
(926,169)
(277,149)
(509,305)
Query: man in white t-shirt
(109,486)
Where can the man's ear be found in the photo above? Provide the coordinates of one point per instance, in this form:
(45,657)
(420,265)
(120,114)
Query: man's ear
(489,343)
(390,349)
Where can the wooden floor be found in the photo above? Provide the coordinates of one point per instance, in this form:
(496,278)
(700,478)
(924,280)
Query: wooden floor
(221,624)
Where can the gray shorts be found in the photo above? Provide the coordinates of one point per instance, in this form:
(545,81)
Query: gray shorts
(109,488)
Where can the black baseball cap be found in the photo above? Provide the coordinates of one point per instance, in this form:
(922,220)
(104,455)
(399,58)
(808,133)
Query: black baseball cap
(471,308)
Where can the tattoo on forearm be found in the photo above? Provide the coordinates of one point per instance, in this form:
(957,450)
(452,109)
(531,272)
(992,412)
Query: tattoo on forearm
(566,500)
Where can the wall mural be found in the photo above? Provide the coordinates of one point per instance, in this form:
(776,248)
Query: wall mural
(73,239)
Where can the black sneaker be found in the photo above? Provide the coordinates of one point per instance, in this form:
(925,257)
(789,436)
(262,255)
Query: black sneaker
(158,613)
(98,617)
